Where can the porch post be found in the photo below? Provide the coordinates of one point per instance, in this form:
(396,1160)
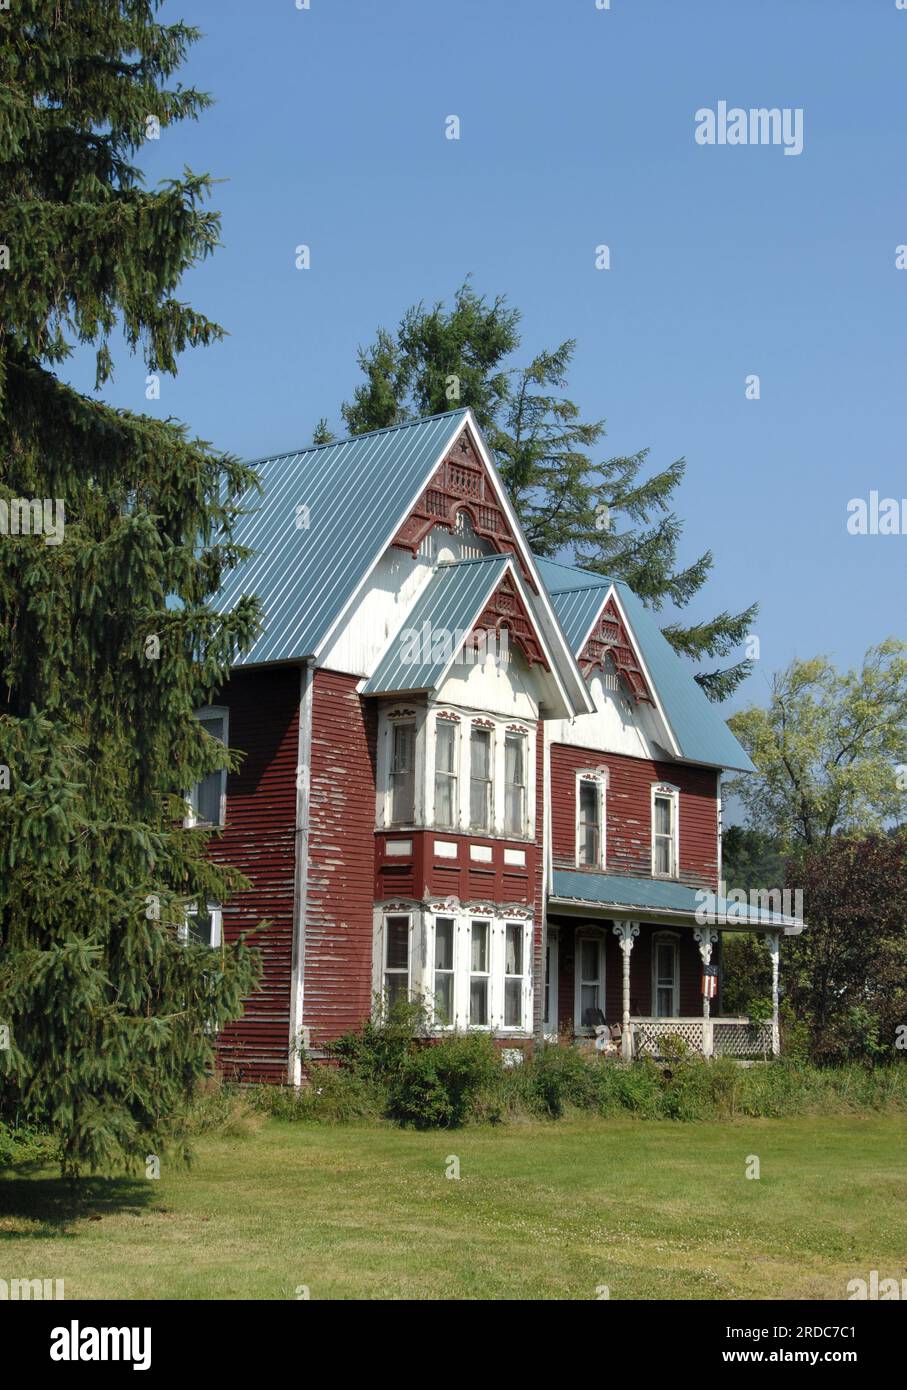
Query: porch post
(773,942)
(707,938)
(626,931)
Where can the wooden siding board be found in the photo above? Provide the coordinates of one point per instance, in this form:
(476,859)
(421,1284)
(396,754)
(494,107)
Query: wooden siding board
(259,839)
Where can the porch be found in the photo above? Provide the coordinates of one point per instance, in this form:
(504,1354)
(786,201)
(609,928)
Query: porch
(631,980)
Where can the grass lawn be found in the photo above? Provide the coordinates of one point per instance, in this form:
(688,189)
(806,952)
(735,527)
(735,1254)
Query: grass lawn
(547,1211)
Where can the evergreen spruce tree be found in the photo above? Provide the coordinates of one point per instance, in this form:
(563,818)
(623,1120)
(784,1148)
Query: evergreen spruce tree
(608,516)
(108,640)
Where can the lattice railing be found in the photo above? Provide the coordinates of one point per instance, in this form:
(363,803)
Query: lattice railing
(718,1037)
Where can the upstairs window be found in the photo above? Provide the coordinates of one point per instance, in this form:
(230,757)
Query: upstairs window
(480,778)
(664,832)
(403,774)
(446,783)
(208,798)
(514,784)
(590,838)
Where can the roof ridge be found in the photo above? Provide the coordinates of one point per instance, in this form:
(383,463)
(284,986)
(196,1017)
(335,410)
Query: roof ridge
(352,438)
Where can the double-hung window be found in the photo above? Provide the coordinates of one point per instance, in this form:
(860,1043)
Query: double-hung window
(515,784)
(445,929)
(590,795)
(479,974)
(514,973)
(403,773)
(664,977)
(446,783)
(396,958)
(664,832)
(207,799)
(590,984)
(204,925)
(481,764)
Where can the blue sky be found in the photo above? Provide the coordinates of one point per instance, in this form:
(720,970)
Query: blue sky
(577,129)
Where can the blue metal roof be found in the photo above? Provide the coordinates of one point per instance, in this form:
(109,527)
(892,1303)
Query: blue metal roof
(451,601)
(663,895)
(325,515)
(696,723)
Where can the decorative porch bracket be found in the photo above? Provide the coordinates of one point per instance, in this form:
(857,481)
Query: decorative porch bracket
(626,931)
(773,942)
(707,938)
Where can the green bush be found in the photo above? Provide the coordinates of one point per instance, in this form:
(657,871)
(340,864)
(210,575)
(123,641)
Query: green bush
(378,1050)
(437,1084)
(331,1095)
(559,1077)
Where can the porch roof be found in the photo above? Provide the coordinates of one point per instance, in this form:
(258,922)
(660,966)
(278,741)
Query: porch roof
(666,898)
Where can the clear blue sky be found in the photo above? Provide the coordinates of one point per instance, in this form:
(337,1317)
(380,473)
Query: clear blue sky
(577,128)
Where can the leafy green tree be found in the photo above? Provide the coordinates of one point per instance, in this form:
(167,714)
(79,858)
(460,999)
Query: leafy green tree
(831,749)
(609,515)
(108,641)
(846,974)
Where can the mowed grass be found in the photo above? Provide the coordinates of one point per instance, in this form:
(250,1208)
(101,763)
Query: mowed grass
(540,1211)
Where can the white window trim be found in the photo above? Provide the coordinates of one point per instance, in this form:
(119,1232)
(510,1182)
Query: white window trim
(216,913)
(191,819)
(525,1024)
(410,916)
(520,834)
(399,713)
(665,938)
(587,934)
(431,928)
(600,779)
(422,955)
(457,774)
(665,789)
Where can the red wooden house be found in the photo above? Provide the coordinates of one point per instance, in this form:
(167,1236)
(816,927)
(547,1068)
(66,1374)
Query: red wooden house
(471,775)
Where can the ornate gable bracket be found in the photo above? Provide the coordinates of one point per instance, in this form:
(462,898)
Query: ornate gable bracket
(609,642)
(462,484)
(505,610)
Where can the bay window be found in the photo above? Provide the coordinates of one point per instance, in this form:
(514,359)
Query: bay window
(403,774)
(396,958)
(481,753)
(446,782)
(514,784)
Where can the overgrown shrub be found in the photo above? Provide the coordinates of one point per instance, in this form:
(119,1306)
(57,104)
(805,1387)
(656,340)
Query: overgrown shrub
(436,1085)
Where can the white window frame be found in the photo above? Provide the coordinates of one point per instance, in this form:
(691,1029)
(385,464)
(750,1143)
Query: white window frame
(456,988)
(478,726)
(396,970)
(599,780)
(665,938)
(525,977)
(216,913)
(487,974)
(587,934)
(455,776)
(191,818)
(395,725)
(521,833)
(670,793)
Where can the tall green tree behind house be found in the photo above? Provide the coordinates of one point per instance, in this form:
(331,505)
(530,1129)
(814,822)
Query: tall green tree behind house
(609,515)
(108,642)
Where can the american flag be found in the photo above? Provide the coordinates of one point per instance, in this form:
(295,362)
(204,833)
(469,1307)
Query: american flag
(709,981)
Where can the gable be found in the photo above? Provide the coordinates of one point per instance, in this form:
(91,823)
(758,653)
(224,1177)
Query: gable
(461,484)
(609,646)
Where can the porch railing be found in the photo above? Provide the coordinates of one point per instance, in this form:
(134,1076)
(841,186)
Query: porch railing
(710,1037)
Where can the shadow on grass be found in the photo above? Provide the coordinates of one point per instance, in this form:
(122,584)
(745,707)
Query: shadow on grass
(51,1205)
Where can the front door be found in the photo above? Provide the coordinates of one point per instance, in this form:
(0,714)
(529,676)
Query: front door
(550,1019)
